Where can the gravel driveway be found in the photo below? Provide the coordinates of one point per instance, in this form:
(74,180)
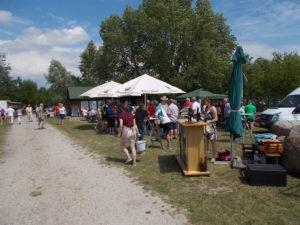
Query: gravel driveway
(46,179)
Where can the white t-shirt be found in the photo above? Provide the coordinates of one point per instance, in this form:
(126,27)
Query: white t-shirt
(62,110)
(174,111)
(162,115)
(28,109)
(10,112)
(196,106)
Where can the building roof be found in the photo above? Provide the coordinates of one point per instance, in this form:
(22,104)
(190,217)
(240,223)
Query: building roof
(75,92)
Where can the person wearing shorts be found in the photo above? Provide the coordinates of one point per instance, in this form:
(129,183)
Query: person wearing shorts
(250,111)
(164,120)
(173,114)
(62,114)
(127,133)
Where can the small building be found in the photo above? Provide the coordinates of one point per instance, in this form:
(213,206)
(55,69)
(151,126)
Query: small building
(76,102)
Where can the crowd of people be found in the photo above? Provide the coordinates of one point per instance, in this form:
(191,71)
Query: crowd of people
(40,112)
(131,122)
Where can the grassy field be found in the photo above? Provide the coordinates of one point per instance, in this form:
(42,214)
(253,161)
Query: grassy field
(223,198)
(3,130)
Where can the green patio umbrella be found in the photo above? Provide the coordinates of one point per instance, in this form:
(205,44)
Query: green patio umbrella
(201,94)
(234,124)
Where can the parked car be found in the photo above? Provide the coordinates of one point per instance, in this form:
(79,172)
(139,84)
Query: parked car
(287,109)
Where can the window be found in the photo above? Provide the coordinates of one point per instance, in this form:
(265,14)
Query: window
(290,101)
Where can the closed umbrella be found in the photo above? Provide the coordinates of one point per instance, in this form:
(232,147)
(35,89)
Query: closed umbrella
(234,124)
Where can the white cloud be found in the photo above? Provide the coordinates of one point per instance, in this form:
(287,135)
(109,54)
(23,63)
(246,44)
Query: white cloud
(30,53)
(275,19)
(259,50)
(7,17)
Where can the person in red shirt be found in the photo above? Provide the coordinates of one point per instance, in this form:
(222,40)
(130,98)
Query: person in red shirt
(127,133)
(151,110)
(187,103)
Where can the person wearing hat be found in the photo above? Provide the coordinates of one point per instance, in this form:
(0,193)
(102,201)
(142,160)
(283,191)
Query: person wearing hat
(164,120)
(165,105)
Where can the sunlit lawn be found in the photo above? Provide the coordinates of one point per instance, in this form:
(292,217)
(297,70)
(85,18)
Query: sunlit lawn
(222,198)
(3,130)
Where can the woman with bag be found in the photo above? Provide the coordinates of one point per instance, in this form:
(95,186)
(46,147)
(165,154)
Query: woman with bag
(211,117)
(127,134)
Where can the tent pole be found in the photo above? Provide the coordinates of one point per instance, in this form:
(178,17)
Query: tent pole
(145,100)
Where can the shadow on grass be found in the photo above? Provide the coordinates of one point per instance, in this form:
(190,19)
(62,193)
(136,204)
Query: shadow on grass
(114,159)
(243,177)
(168,164)
(85,127)
(118,160)
(223,140)
(293,191)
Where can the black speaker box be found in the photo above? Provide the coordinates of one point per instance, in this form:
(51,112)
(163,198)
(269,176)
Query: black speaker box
(266,175)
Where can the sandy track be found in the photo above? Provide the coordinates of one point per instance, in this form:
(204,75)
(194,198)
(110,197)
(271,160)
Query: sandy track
(46,179)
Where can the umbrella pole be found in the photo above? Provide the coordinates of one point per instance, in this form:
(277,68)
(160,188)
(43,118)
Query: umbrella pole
(145,100)
(231,147)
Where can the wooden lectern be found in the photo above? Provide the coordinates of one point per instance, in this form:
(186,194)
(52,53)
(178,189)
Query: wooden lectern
(192,154)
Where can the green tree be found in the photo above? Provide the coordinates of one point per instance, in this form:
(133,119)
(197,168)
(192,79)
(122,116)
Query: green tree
(59,79)
(87,64)
(27,92)
(6,81)
(271,80)
(171,40)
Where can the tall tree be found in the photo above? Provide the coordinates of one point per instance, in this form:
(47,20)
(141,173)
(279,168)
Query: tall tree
(171,40)
(59,79)
(87,64)
(6,82)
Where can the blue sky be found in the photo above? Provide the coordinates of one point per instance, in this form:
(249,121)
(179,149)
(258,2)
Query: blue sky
(34,31)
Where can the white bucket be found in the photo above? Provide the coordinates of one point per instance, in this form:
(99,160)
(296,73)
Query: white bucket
(140,146)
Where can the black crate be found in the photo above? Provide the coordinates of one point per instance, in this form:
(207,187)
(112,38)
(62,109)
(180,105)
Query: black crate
(266,175)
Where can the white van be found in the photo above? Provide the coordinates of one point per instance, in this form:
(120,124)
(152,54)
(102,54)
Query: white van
(287,109)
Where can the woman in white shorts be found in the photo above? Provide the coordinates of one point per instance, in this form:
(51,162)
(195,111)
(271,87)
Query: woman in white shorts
(127,133)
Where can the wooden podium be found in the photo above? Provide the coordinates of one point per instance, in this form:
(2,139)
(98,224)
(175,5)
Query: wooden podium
(191,146)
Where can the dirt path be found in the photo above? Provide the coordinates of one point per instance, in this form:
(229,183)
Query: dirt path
(45,178)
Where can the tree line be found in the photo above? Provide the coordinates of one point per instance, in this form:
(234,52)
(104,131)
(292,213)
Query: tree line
(182,42)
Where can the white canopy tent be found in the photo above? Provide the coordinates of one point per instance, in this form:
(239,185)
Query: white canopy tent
(146,84)
(106,90)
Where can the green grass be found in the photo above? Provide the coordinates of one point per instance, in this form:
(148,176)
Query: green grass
(222,198)
(3,130)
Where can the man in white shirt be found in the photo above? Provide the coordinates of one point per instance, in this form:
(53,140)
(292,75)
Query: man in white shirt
(195,106)
(10,115)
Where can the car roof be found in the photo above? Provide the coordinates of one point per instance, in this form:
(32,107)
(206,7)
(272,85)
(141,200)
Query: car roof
(295,92)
